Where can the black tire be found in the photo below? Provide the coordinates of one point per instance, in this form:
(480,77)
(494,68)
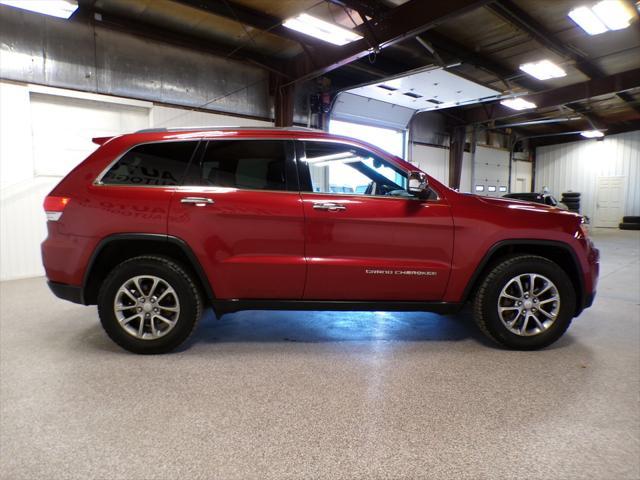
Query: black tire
(487,297)
(629,226)
(572,204)
(630,219)
(571,194)
(186,291)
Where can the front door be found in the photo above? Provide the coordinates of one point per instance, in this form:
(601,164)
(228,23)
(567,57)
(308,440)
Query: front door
(366,237)
(239,209)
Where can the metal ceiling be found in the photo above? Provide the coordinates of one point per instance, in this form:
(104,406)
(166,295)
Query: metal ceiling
(490,39)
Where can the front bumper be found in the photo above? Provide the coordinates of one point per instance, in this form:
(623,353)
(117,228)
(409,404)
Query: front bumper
(72,293)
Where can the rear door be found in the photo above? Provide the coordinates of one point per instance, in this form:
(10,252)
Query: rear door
(378,245)
(240,211)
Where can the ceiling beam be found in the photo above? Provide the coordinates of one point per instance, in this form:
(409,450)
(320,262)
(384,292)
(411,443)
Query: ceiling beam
(524,22)
(252,18)
(370,8)
(628,98)
(399,23)
(458,51)
(611,130)
(595,87)
(513,14)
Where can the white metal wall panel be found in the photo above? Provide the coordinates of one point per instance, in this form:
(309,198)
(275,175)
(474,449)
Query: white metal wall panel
(435,161)
(576,166)
(43,136)
(63,127)
(432,160)
(162,116)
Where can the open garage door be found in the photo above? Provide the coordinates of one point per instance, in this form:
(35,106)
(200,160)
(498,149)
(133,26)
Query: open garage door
(387,106)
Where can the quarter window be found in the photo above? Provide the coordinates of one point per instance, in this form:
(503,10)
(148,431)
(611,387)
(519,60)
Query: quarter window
(246,164)
(152,164)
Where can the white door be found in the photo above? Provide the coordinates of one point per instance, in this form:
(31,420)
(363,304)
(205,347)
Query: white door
(521,176)
(609,202)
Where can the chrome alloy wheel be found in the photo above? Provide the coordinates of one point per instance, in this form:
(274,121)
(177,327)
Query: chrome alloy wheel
(146,307)
(528,304)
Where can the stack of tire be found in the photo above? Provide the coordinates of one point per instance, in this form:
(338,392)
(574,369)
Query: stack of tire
(630,223)
(572,200)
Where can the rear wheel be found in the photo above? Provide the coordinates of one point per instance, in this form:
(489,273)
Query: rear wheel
(525,302)
(149,305)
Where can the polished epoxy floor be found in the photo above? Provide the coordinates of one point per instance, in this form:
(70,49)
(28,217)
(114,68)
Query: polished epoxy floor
(323,395)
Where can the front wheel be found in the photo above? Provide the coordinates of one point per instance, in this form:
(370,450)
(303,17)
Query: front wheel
(526,302)
(149,305)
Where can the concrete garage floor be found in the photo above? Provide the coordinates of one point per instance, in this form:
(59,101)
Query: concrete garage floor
(324,395)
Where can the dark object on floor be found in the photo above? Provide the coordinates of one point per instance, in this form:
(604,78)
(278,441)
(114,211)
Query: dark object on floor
(572,200)
(629,226)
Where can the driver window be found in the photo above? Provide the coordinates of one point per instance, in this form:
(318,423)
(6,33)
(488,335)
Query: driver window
(342,169)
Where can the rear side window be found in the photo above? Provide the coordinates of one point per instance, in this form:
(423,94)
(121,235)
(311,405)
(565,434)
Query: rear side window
(152,164)
(245,164)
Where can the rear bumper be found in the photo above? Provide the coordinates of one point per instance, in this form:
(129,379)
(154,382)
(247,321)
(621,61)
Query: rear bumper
(72,293)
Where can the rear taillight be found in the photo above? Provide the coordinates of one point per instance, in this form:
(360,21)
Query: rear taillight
(54,206)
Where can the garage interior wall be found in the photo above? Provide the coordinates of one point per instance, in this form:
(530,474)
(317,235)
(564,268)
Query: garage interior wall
(577,166)
(490,162)
(43,50)
(44,133)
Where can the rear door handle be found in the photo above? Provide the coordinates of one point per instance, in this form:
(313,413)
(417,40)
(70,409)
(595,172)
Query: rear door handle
(198,201)
(330,207)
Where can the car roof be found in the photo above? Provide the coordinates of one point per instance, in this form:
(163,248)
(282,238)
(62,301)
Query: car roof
(228,127)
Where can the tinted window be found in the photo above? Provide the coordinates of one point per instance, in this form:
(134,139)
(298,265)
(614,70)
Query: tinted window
(152,164)
(248,164)
(343,169)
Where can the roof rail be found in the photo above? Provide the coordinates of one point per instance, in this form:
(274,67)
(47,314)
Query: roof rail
(226,127)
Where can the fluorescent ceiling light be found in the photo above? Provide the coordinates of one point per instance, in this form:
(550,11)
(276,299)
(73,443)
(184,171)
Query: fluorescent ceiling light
(55,8)
(592,134)
(543,70)
(613,13)
(602,17)
(518,103)
(309,25)
(587,20)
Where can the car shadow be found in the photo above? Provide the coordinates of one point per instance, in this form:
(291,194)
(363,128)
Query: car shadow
(313,327)
(323,326)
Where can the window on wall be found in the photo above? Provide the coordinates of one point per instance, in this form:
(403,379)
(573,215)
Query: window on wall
(387,139)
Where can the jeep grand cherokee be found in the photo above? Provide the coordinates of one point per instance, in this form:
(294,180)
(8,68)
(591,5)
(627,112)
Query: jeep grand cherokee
(156,225)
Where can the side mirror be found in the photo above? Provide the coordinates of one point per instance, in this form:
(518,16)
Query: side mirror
(418,184)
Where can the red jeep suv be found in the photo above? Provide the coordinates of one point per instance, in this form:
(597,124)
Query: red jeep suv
(155,226)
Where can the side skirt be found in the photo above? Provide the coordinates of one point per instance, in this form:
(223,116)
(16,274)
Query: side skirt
(230,306)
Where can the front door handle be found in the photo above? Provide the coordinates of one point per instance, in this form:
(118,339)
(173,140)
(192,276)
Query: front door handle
(198,201)
(329,206)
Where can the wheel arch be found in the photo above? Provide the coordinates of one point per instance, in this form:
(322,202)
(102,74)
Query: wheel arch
(558,252)
(114,249)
